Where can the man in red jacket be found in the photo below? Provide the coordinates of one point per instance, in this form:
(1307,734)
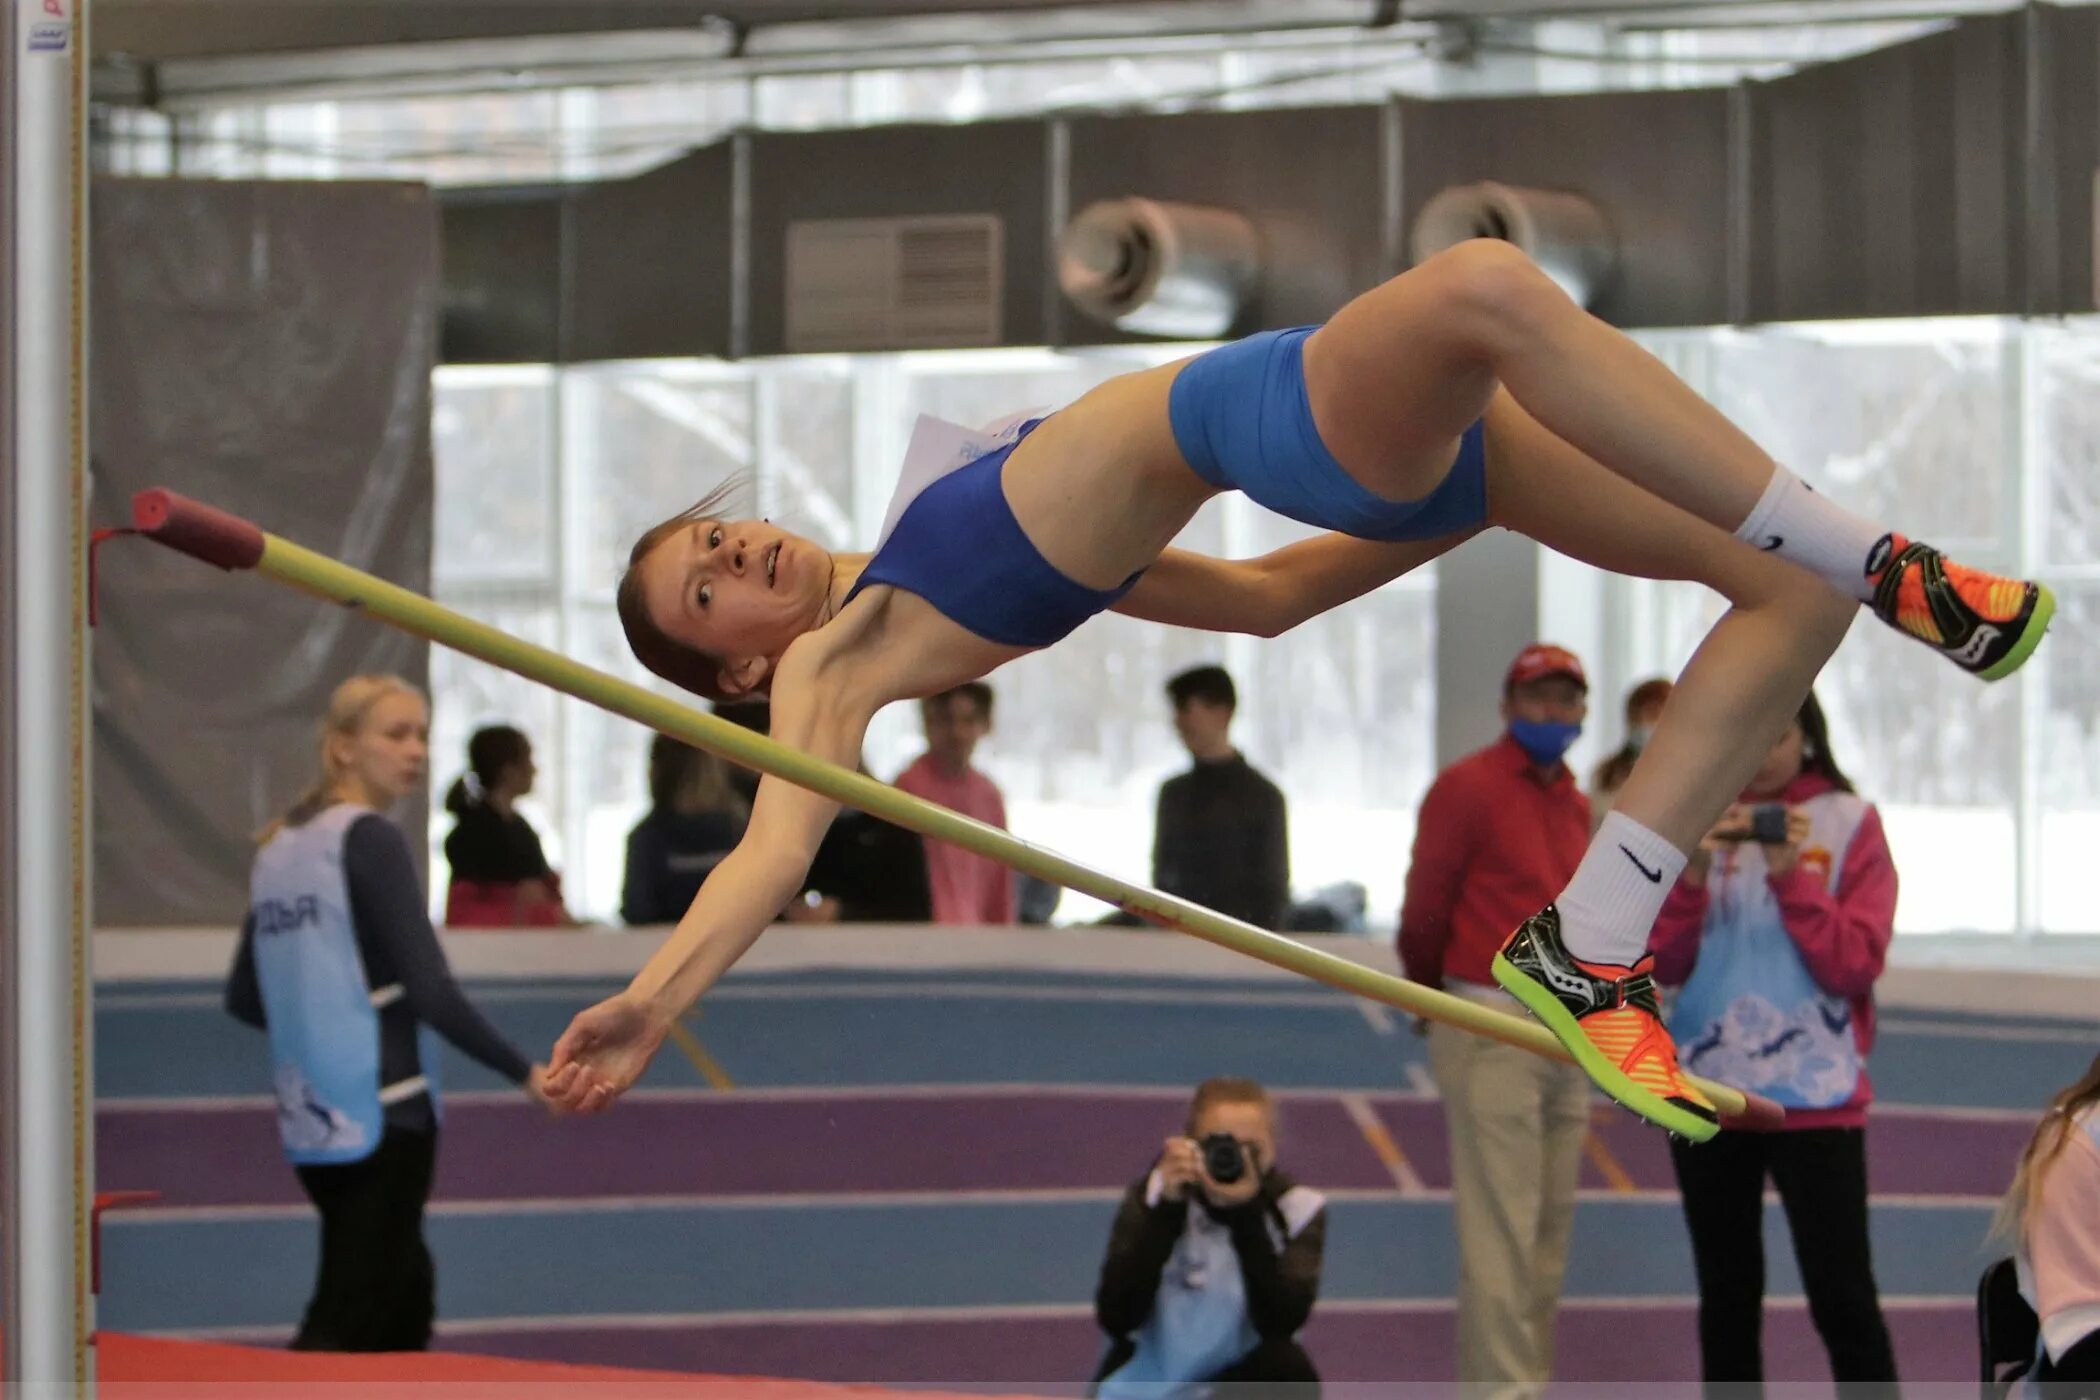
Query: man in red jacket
(1499,836)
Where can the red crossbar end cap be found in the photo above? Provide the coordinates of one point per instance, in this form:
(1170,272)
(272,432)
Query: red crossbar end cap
(193,527)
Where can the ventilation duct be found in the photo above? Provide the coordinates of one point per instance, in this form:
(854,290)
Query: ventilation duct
(1175,271)
(1565,234)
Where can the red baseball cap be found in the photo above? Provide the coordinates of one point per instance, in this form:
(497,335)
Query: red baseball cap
(1542,659)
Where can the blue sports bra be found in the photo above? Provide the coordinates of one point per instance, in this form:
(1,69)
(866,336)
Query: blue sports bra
(958,546)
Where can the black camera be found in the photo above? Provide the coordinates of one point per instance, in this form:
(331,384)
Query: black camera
(1767,825)
(1224,1160)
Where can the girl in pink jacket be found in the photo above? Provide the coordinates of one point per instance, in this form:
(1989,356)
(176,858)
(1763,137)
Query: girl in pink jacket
(1776,933)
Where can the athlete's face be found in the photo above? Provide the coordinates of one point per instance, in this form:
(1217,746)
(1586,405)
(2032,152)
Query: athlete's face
(738,589)
(384,761)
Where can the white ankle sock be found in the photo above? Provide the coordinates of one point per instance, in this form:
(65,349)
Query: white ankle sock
(1608,909)
(1801,527)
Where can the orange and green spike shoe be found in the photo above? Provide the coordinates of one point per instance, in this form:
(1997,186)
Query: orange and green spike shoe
(1607,1017)
(1985,624)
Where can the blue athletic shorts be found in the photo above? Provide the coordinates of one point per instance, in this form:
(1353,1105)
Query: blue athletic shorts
(1241,417)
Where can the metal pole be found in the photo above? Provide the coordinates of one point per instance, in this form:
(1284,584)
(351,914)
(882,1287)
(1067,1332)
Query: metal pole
(43,910)
(10,1207)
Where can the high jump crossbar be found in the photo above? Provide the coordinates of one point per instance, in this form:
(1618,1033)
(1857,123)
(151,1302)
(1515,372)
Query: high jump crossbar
(232,543)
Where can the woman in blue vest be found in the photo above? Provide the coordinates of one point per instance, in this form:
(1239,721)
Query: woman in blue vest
(339,964)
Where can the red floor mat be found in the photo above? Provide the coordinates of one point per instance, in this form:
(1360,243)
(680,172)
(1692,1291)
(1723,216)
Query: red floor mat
(145,1368)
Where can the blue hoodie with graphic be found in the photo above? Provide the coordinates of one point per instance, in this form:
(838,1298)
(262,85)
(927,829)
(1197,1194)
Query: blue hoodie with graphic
(1777,972)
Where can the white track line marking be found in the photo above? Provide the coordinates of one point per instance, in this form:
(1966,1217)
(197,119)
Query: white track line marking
(1416,1194)
(1383,1144)
(1422,1089)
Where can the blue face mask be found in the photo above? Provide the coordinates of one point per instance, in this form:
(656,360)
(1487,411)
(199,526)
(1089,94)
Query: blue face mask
(1543,743)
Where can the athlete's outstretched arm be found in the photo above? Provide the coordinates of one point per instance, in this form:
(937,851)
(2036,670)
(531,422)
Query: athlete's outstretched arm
(606,1048)
(1274,593)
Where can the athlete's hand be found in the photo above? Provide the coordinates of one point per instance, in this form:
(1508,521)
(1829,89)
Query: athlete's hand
(603,1052)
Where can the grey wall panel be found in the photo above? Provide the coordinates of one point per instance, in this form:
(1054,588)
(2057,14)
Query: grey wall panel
(2060,218)
(502,277)
(1308,179)
(995,168)
(1655,163)
(1892,184)
(267,347)
(649,262)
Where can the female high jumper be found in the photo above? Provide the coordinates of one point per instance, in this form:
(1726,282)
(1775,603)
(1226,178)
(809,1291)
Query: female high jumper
(1467,392)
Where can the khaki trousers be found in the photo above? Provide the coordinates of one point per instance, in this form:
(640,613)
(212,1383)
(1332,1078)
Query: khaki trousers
(1517,1122)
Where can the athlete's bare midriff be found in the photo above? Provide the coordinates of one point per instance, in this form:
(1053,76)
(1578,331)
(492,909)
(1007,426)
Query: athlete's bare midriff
(1101,488)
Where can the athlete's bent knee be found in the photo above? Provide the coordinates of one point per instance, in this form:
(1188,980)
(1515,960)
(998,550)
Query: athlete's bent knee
(1490,292)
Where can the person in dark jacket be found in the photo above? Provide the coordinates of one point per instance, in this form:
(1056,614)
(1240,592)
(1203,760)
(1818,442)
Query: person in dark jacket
(1214,1260)
(338,962)
(696,816)
(1220,838)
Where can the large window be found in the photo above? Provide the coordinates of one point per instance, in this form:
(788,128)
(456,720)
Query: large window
(2061,712)
(1977,435)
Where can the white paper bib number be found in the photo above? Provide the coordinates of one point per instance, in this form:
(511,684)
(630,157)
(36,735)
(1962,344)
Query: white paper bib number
(938,447)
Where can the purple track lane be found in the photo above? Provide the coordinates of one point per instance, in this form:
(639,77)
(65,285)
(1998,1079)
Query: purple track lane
(851,1143)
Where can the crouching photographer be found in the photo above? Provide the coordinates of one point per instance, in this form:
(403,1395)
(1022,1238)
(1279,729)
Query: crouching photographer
(1214,1261)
